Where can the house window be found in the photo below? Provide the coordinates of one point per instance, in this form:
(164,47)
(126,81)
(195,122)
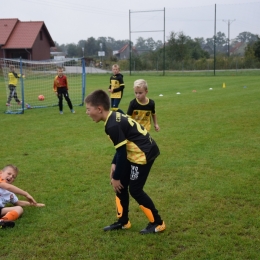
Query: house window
(41,35)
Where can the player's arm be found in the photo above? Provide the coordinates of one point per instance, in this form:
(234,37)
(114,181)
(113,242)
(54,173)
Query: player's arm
(121,160)
(110,90)
(156,126)
(24,203)
(16,75)
(55,85)
(66,83)
(17,190)
(121,88)
(130,109)
(113,166)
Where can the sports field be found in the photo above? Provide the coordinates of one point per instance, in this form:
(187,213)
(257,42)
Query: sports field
(205,183)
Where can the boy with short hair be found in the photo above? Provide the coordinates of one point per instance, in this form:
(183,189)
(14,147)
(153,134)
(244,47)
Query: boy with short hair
(60,87)
(116,88)
(7,195)
(135,155)
(141,109)
(13,81)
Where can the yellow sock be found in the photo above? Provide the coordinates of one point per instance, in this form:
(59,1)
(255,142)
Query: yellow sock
(148,213)
(119,208)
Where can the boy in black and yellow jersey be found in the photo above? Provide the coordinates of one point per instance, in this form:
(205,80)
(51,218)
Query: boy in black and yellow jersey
(116,88)
(13,81)
(135,155)
(142,109)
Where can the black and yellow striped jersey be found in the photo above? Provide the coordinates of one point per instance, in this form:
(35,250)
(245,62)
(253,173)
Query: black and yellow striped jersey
(117,85)
(142,112)
(123,130)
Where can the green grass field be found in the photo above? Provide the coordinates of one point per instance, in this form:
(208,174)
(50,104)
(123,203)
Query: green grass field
(205,183)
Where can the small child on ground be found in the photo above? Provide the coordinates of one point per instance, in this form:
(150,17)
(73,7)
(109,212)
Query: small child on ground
(116,88)
(13,81)
(141,109)
(7,195)
(60,87)
(135,154)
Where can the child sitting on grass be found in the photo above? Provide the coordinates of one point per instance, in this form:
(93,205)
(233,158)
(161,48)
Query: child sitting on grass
(7,195)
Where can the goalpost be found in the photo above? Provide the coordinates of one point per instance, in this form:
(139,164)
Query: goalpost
(38,80)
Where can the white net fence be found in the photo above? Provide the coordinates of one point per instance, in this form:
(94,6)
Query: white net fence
(37,80)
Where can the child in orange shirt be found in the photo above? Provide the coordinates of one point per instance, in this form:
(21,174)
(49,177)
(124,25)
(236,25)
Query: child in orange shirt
(60,87)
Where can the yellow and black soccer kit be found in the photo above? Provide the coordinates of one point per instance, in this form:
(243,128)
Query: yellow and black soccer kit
(117,85)
(135,154)
(13,81)
(142,112)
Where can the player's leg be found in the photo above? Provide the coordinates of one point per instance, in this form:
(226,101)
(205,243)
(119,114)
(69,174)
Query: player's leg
(11,89)
(67,98)
(9,215)
(138,177)
(115,105)
(16,97)
(122,204)
(60,97)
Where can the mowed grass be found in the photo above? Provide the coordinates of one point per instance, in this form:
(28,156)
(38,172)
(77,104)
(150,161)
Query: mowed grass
(205,183)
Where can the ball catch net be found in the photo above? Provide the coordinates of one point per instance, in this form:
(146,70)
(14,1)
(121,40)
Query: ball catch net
(36,79)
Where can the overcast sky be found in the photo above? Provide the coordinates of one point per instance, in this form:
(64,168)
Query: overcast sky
(69,21)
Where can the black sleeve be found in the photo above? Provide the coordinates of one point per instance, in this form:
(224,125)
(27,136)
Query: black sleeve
(16,75)
(121,88)
(130,109)
(121,158)
(114,159)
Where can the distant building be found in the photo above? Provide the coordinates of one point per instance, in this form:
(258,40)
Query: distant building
(26,40)
(238,49)
(57,55)
(124,52)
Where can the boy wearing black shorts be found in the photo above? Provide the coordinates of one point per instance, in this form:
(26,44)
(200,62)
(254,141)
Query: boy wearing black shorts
(135,155)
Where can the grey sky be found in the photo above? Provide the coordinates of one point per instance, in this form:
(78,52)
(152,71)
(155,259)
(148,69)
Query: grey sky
(69,21)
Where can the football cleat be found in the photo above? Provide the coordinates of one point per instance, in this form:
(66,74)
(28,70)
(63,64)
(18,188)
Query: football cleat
(5,224)
(153,228)
(117,225)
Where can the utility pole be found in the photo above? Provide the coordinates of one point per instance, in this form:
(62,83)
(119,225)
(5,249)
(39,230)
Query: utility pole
(229,22)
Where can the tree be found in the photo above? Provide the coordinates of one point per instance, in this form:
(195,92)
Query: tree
(72,50)
(141,44)
(257,49)
(253,50)
(246,37)
(91,47)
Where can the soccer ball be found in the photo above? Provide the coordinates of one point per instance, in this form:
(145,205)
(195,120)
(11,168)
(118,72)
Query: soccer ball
(41,97)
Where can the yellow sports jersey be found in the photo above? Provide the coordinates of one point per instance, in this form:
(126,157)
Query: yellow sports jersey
(13,78)
(140,146)
(117,85)
(142,112)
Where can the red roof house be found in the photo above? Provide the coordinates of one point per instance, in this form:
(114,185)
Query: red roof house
(238,49)
(124,52)
(26,40)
